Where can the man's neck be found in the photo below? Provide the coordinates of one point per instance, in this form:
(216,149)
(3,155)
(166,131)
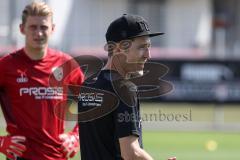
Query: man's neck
(117,67)
(35,54)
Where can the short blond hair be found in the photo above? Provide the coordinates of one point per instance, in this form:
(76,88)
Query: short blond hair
(36,9)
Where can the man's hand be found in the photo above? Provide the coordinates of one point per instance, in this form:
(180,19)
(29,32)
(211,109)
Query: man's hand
(70,144)
(12,146)
(130,149)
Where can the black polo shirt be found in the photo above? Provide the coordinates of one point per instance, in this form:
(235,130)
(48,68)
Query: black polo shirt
(99,138)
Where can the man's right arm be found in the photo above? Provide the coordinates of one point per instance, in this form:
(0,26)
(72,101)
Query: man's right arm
(131,150)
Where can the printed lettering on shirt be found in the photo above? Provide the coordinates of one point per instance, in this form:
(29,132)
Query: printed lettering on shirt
(91,99)
(43,92)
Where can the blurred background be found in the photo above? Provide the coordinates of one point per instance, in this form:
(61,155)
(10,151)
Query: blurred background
(199,119)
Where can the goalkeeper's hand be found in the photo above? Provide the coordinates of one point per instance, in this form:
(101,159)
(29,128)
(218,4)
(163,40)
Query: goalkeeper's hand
(70,144)
(12,146)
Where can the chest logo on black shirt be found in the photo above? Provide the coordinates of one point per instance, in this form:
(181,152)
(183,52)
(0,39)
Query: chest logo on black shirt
(58,73)
(23,76)
(91,99)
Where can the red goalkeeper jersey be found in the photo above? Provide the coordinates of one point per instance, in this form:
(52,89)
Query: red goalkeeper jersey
(30,93)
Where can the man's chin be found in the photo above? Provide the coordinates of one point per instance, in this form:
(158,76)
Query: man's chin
(40,47)
(140,73)
(135,74)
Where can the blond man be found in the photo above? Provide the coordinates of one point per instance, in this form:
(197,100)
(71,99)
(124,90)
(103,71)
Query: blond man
(29,98)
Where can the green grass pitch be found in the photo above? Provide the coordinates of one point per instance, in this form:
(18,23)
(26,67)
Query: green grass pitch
(192,145)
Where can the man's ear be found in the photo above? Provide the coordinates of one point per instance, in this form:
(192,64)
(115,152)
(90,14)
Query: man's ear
(21,27)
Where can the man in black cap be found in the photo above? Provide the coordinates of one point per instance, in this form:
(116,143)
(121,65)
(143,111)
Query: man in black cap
(118,134)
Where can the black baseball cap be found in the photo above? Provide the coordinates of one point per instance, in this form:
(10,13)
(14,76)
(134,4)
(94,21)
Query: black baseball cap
(127,27)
